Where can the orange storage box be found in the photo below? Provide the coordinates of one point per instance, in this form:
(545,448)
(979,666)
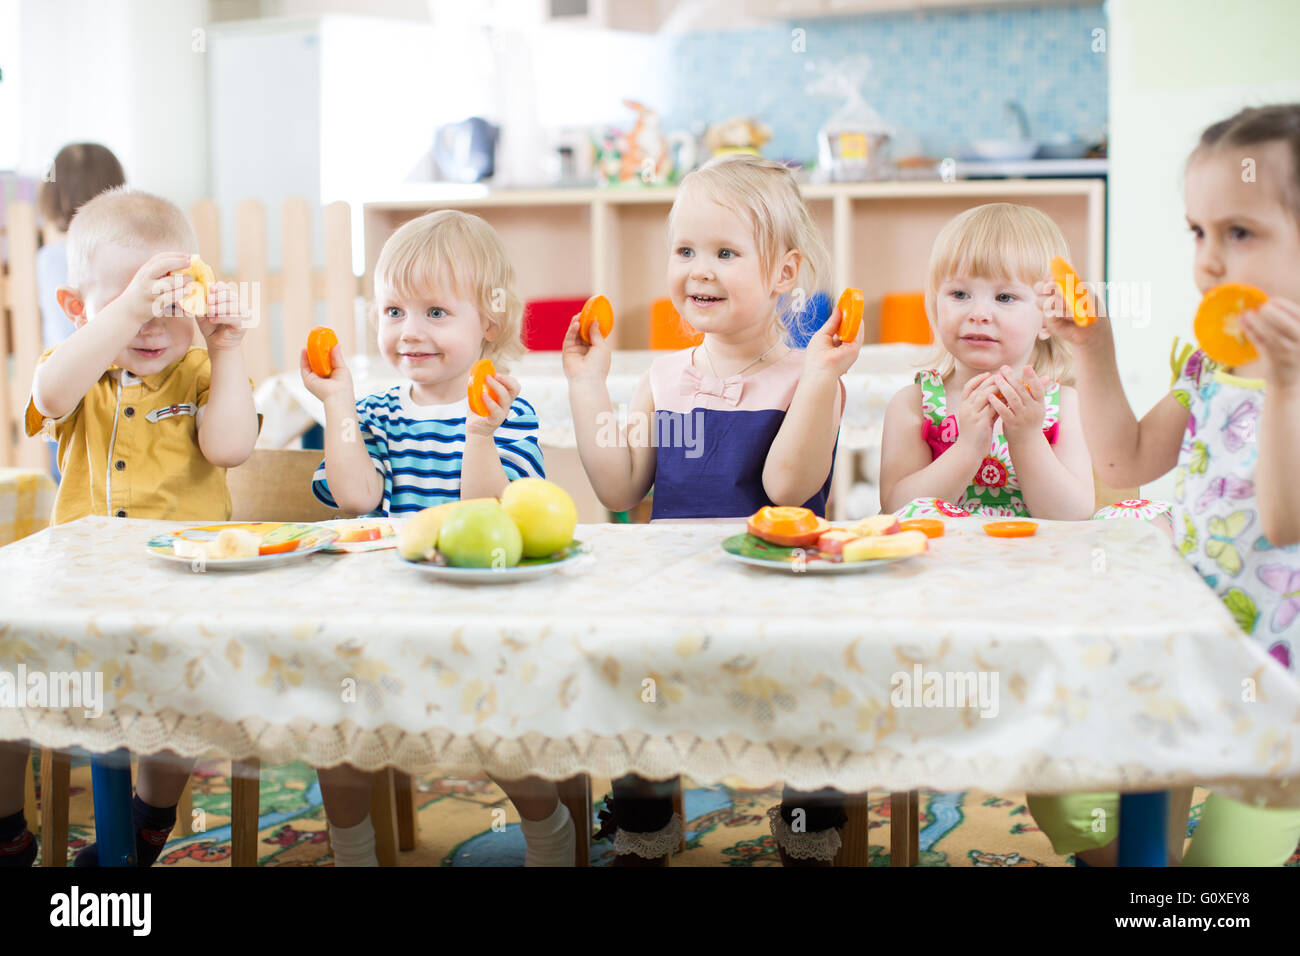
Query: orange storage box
(902,318)
(668,330)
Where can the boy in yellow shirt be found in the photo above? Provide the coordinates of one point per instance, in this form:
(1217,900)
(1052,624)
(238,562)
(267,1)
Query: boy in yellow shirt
(146,428)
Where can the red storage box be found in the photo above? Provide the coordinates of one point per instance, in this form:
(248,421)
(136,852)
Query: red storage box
(546,321)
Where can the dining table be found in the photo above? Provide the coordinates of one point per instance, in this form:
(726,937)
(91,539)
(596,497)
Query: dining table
(1086,657)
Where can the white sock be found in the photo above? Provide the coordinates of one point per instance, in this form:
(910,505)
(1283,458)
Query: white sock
(551,841)
(354,846)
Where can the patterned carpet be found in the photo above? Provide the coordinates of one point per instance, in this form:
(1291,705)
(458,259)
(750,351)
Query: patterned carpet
(724,827)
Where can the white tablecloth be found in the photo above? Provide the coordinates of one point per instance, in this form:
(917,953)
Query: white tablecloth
(1114,665)
(881,370)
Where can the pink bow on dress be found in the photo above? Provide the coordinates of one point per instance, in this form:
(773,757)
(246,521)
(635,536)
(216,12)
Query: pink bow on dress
(727,389)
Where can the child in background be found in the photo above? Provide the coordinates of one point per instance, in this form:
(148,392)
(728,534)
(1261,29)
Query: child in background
(444,292)
(742,246)
(81,171)
(100,393)
(949,439)
(1233,434)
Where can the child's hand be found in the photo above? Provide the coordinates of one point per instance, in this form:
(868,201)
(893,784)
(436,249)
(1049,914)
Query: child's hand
(501,390)
(582,362)
(825,351)
(1023,405)
(975,416)
(153,292)
(1060,322)
(223,326)
(337,385)
(1274,330)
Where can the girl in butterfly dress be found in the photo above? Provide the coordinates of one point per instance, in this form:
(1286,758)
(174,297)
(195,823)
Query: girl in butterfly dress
(1231,434)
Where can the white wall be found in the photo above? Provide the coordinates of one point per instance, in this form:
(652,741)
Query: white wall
(1175,67)
(123,73)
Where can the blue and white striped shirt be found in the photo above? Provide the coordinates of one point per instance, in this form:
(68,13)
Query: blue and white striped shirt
(418,449)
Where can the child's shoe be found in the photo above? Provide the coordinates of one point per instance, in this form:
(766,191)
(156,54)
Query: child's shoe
(152,826)
(17,843)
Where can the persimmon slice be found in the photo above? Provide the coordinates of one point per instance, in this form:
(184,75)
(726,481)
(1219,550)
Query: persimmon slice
(1010,529)
(930,527)
(479,373)
(1216,325)
(596,309)
(282,548)
(320,342)
(1076,295)
(787,526)
(850,305)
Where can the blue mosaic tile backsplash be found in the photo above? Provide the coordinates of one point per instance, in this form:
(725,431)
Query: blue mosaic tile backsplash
(942,76)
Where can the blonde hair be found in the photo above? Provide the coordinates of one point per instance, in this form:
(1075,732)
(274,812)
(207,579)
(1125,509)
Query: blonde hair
(999,240)
(124,217)
(455,248)
(765,194)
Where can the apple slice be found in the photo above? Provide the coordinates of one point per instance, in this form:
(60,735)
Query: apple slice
(833,541)
(898,545)
(361,532)
(876,525)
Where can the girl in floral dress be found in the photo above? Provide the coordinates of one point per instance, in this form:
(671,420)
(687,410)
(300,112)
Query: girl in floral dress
(992,430)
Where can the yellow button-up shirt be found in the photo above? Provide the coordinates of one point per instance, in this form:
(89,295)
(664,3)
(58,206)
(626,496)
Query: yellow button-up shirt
(131,447)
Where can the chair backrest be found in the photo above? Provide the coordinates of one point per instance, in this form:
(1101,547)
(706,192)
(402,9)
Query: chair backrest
(1106,495)
(275,485)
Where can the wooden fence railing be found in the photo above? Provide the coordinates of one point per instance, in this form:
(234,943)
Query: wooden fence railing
(299,287)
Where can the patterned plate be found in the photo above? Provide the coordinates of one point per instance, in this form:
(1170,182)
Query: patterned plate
(525,569)
(387,540)
(310,538)
(747,549)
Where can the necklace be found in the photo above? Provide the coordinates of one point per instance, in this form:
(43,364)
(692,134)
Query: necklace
(762,355)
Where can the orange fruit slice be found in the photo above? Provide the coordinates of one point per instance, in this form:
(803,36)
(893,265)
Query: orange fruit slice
(1010,529)
(479,373)
(282,548)
(1077,298)
(1216,323)
(787,526)
(320,341)
(930,527)
(596,309)
(850,305)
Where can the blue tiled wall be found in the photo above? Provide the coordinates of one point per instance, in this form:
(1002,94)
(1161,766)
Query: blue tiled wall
(942,75)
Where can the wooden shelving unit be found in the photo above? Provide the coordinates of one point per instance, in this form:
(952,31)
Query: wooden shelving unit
(571,243)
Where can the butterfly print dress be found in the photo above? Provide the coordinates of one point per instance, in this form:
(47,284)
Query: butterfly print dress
(1216,518)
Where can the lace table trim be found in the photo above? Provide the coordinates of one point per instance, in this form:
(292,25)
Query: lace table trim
(821,845)
(653,845)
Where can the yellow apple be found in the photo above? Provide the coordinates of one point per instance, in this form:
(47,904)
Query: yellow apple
(896,545)
(544,512)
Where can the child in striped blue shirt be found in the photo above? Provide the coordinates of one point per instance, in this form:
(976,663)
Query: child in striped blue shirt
(444,293)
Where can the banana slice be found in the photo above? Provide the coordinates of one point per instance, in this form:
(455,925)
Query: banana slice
(230,544)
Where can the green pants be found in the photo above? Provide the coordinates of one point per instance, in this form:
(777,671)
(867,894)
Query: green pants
(1230,833)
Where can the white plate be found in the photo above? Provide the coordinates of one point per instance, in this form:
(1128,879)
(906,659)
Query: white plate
(498,575)
(311,537)
(820,567)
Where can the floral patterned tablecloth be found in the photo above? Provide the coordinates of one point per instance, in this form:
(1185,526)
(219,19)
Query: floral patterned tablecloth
(1103,660)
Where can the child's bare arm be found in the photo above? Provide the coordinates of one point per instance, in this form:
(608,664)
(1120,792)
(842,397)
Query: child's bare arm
(1275,332)
(77,364)
(354,482)
(1055,480)
(801,455)
(620,462)
(228,430)
(906,469)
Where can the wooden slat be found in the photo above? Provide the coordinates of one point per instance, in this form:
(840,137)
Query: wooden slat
(245,780)
(207,226)
(295,275)
(855,846)
(56,774)
(904,828)
(8,432)
(25,324)
(408,823)
(383,816)
(340,293)
(575,793)
(250,251)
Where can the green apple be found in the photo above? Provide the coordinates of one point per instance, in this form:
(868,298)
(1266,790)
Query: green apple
(544,512)
(479,534)
(418,537)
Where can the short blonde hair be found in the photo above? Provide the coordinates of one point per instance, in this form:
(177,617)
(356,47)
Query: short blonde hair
(999,240)
(765,194)
(124,217)
(455,248)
